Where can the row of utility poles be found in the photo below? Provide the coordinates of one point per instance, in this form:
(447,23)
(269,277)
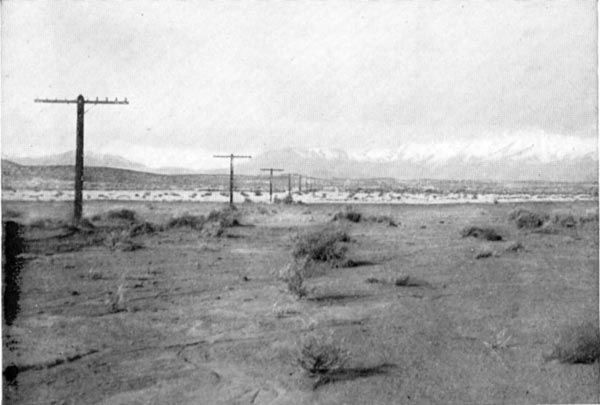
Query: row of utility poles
(79,179)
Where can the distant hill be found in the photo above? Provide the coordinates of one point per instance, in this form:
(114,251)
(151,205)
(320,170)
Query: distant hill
(95,160)
(22,177)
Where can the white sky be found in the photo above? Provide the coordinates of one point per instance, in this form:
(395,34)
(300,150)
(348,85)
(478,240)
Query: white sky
(208,77)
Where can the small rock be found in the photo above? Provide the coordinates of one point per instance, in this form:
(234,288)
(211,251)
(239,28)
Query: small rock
(484,254)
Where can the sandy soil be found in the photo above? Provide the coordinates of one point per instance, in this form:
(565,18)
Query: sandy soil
(206,320)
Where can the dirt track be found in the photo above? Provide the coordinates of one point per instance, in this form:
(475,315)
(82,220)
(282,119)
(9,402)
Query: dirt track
(205,319)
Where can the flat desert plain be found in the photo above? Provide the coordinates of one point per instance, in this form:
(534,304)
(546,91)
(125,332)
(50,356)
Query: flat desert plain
(178,312)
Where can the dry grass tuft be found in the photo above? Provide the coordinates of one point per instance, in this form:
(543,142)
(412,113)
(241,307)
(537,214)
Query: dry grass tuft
(578,344)
(123,214)
(117,301)
(481,233)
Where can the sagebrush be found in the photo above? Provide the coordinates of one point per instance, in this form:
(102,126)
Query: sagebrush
(485,233)
(320,356)
(324,245)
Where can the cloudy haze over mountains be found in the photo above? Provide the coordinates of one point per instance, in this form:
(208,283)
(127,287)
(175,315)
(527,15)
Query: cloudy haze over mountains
(538,157)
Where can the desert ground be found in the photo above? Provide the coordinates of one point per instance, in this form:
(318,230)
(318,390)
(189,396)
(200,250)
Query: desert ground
(175,313)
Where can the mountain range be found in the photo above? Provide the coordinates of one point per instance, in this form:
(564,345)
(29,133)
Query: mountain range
(512,162)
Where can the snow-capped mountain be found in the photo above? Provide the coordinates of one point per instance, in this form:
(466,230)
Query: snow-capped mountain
(539,147)
(538,157)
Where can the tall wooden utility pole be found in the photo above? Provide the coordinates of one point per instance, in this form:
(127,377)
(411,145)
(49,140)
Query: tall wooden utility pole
(231,157)
(80,101)
(290,184)
(300,183)
(271,170)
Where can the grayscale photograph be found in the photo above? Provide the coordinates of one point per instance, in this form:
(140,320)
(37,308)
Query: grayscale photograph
(300,202)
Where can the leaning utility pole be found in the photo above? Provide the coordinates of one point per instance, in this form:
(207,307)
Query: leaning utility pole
(231,157)
(271,170)
(80,101)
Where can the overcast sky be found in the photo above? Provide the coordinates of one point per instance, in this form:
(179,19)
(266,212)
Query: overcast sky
(207,77)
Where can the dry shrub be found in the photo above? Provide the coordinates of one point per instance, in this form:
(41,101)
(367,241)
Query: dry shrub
(578,344)
(320,356)
(295,274)
(514,247)
(117,301)
(122,241)
(349,214)
(186,220)
(41,223)
(227,217)
(12,213)
(380,219)
(287,200)
(143,228)
(213,225)
(484,254)
(516,212)
(124,214)
(407,281)
(591,216)
(323,246)
(526,219)
(566,220)
(548,229)
(85,224)
(213,229)
(481,233)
